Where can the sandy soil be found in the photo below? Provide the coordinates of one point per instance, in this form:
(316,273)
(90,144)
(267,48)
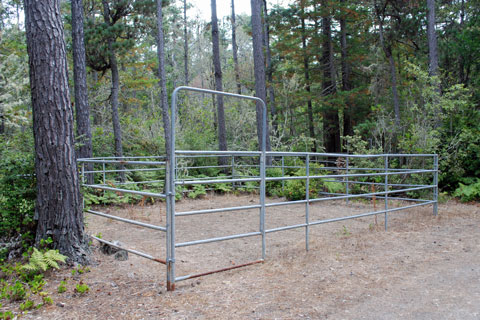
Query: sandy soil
(423,267)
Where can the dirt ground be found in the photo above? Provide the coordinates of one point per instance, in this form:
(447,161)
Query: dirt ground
(423,267)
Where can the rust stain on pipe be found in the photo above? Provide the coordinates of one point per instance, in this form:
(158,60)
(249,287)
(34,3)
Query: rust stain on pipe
(159,260)
(224,269)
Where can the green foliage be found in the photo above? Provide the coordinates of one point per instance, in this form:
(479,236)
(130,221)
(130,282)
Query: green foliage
(14,292)
(43,261)
(6,315)
(223,187)
(46,299)
(469,191)
(334,187)
(17,186)
(37,283)
(198,190)
(274,188)
(81,288)
(296,189)
(14,82)
(345,232)
(27,305)
(62,287)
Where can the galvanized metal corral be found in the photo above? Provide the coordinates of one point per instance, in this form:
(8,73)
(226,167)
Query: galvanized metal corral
(410,178)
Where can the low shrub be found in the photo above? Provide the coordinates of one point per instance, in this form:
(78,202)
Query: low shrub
(470,191)
(17,190)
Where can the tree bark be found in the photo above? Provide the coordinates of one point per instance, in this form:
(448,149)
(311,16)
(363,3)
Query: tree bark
(346,82)
(59,203)
(306,70)
(235,50)
(82,109)
(331,122)
(432,39)
(2,123)
(117,129)
(162,78)
(387,49)
(185,43)
(268,56)
(259,69)
(461,60)
(222,136)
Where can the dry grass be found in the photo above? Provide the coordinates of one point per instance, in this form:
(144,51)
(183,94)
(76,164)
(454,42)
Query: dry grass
(424,267)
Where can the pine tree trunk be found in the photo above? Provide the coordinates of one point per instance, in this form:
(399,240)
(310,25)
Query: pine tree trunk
(331,122)
(222,136)
(235,50)
(117,129)
(393,73)
(259,69)
(268,56)
(2,123)
(346,83)
(461,60)
(59,203)
(185,43)
(162,77)
(432,39)
(306,70)
(82,110)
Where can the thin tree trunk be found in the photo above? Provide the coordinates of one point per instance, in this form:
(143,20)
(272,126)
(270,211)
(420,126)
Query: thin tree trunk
(268,56)
(306,70)
(346,82)
(59,202)
(331,122)
(162,78)
(461,60)
(185,43)
(259,69)
(222,136)
(84,133)
(117,130)
(432,39)
(393,73)
(235,50)
(433,56)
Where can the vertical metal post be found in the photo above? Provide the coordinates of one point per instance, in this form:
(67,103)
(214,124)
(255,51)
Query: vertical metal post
(283,174)
(170,193)
(176,169)
(83,182)
(233,171)
(263,160)
(435,183)
(104,176)
(346,179)
(307,204)
(83,172)
(386,194)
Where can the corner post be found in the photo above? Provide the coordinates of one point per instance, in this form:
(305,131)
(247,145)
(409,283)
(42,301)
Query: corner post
(386,192)
(307,204)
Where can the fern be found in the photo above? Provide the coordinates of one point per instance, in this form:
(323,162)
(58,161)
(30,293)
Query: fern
(42,261)
(52,257)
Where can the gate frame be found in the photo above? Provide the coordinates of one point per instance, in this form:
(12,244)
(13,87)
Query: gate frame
(170,176)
